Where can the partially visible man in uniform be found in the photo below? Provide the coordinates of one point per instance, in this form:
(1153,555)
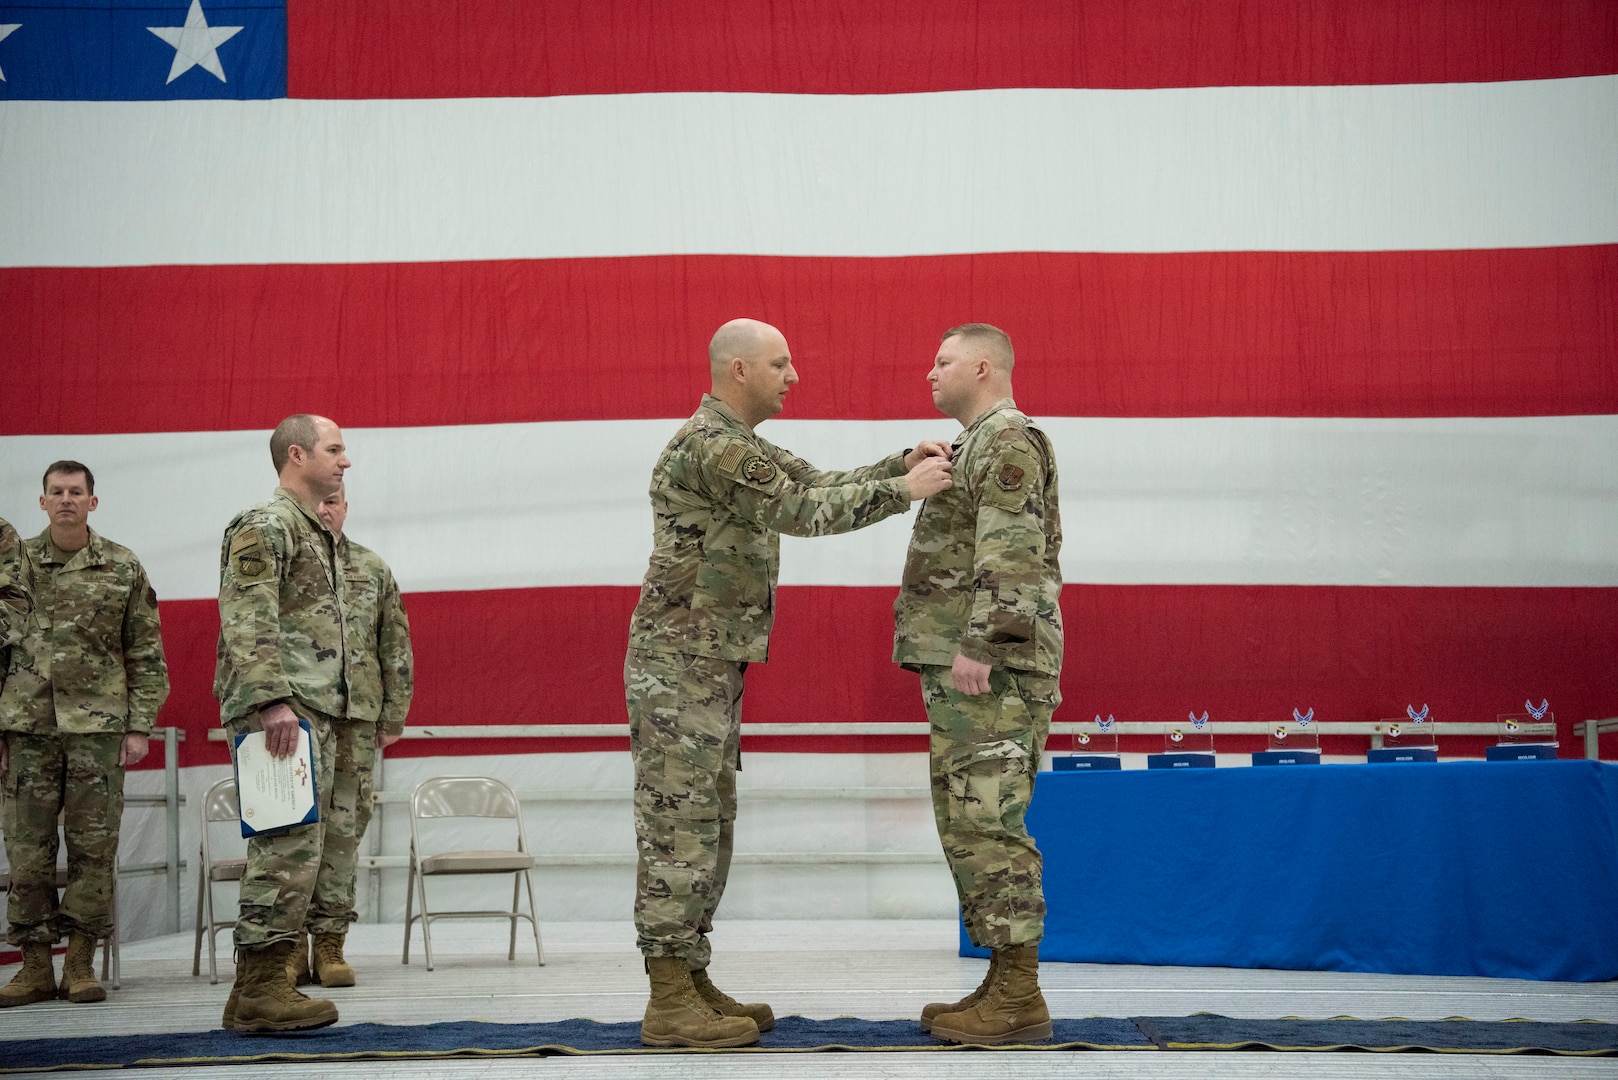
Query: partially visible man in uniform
(82,689)
(977,616)
(14,602)
(380,682)
(282,659)
(721,497)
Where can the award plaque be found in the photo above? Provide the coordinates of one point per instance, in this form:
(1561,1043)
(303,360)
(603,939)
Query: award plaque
(1095,747)
(1526,736)
(1407,738)
(1186,746)
(1292,743)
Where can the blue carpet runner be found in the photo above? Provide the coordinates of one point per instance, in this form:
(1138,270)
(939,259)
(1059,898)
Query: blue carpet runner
(795,1034)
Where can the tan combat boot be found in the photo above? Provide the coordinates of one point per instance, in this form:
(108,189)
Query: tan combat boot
(725,1005)
(677,1015)
(330,967)
(298,973)
(228,1020)
(1011,1010)
(267,1001)
(35,982)
(929,1012)
(79,971)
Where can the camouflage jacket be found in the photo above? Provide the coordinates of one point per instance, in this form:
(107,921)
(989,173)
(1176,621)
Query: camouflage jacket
(90,660)
(381,669)
(721,497)
(281,612)
(14,602)
(981,577)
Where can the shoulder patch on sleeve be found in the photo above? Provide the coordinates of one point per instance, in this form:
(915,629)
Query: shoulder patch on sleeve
(731,459)
(739,461)
(1011,477)
(251,561)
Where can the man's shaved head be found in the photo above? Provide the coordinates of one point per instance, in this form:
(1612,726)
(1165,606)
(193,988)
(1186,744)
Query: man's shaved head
(738,337)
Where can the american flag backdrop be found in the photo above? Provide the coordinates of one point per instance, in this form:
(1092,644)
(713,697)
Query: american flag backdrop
(1318,300)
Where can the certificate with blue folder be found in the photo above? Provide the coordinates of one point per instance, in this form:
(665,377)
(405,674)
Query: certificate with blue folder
(276,794)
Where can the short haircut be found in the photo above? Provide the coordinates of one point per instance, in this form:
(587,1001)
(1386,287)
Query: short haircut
(68,468)
(739,337)
(296,430)
(994,340)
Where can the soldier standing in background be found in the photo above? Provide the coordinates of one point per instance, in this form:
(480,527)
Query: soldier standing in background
(721,497)
(83,686)
(15,604)
(380,683)
(282,659)
(977,616)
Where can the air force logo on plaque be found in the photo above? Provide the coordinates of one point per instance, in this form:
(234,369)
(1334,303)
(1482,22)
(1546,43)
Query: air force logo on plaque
(1418,717)
(1176,735)
(1084,738)
(1539,713)
(1105,725)
(1198,721)
(1280,732)
(1304,719)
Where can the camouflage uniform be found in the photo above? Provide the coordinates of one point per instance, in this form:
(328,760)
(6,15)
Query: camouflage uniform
(14,602)
(981,580)
(282,603)
(87,668)
(721,497)
(380,683)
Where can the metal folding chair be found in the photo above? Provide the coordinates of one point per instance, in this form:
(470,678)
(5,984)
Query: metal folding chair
(467,797)
(219,805)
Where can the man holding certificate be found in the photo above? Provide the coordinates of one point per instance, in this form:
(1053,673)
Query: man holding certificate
(282,684)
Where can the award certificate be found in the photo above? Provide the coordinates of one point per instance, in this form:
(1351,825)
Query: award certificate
(275,793)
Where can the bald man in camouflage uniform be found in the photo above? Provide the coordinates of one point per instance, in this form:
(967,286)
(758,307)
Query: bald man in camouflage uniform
(283,659)
(84,683)
(381,681)
(721,497)
(978,617)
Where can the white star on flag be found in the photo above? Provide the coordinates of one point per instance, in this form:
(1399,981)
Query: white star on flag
(5,32)
(196,44)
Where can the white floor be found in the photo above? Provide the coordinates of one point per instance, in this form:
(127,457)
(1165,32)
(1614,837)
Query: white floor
(882,969)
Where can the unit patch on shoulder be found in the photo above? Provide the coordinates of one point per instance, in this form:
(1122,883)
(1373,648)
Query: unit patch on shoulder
(1010,480)
(250,559)
(760,470)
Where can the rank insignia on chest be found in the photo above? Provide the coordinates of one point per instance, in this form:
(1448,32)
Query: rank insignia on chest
(1010,477)
(759,470)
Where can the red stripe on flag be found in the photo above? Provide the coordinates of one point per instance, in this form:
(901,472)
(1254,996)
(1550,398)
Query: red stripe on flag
(538,656)
(519,48)
(1513,332)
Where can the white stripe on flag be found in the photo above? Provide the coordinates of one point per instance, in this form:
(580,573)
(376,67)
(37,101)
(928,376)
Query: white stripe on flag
(1479,165)
(1485,502)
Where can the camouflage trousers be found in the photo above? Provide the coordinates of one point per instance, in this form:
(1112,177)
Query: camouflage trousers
(353,794)
(685,735)
(985,750)
(77,776)
(282,868)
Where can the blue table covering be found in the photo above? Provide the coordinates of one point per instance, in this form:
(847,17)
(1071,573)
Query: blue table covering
(1499,869)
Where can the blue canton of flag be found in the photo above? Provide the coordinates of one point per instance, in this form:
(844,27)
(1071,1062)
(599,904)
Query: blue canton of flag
(142,50)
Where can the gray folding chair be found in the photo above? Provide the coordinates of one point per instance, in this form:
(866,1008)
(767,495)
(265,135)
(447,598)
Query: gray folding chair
(467,797)
(219,806)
